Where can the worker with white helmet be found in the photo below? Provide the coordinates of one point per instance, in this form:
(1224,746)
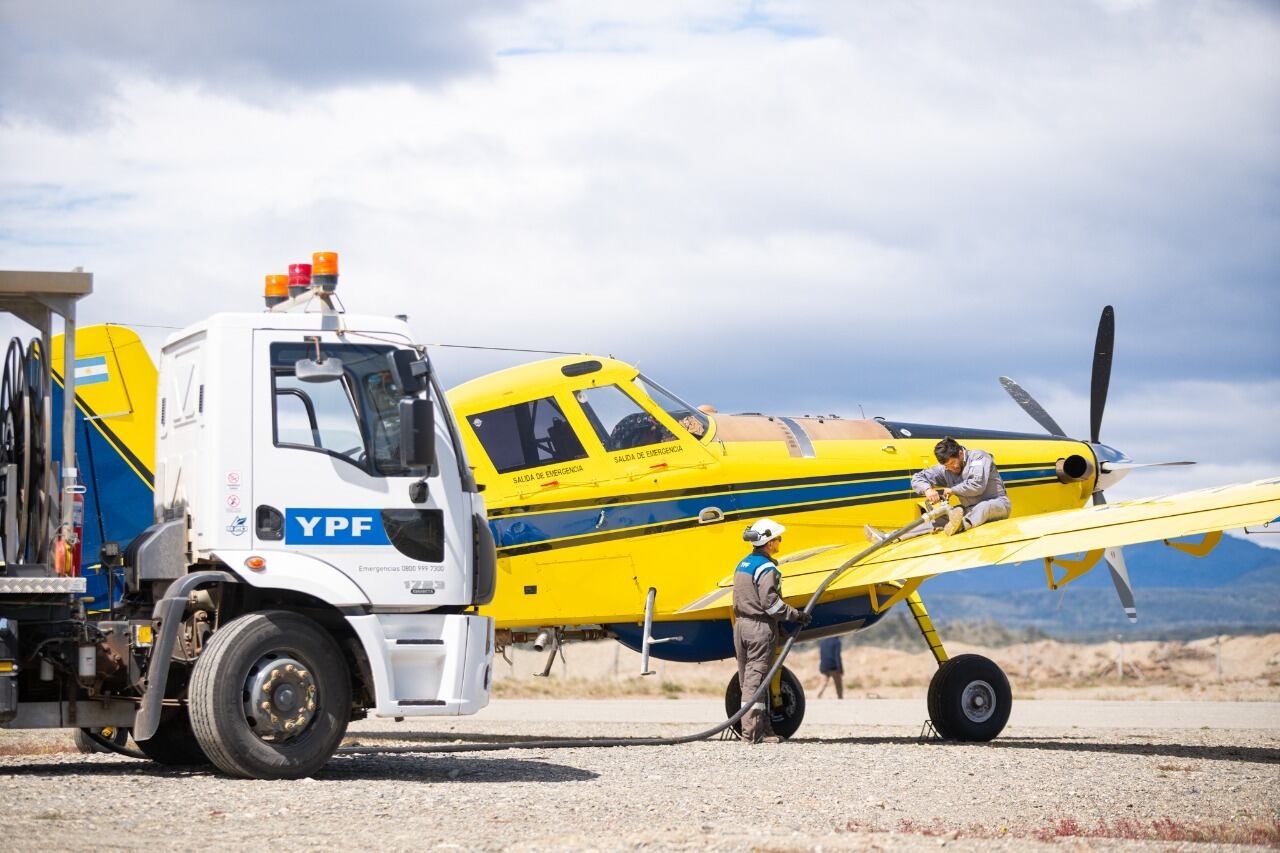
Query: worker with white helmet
(758,609)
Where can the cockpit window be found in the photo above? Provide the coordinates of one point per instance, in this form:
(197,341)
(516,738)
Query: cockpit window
(618,420)
(681,412)
(527,435)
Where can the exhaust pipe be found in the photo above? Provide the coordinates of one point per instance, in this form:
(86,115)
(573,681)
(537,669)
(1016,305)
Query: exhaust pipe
(1073,469)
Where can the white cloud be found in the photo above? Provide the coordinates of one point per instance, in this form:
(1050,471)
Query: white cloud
(790,206)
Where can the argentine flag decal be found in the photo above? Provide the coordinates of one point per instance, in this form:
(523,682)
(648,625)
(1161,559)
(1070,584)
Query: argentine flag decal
(92,370)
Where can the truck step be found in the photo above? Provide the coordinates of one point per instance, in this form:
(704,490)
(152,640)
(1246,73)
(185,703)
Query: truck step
(29,586)
(421,702)
(403,642)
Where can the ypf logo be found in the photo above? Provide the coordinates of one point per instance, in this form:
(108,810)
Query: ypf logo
(334,527)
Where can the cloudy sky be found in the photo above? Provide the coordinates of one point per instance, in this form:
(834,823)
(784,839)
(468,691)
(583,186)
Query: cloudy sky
(792,207)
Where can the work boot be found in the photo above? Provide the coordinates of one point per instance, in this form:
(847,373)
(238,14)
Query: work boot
(955,521)
(771,739)
(872,534)
(753,727)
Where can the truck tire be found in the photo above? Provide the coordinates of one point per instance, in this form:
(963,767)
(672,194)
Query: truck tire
(270,696)
(969,699)
(174,743)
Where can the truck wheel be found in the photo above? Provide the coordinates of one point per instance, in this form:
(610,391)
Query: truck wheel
(270,696)
(115,734)
(786,719)
(174,744)
(969,699)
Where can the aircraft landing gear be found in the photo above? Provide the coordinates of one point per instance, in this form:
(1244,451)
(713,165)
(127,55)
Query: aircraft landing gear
(786,715)
(969,697)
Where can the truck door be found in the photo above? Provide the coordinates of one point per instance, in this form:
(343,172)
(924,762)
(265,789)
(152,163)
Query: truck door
(328,480)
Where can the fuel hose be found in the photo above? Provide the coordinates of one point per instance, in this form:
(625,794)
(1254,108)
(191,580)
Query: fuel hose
(582,743)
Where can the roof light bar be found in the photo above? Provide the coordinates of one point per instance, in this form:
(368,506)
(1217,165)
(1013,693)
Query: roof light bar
(324,267)
(276,290)
(299,279)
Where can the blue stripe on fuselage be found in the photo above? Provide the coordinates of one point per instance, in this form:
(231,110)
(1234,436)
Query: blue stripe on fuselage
(531,528)
(712,639)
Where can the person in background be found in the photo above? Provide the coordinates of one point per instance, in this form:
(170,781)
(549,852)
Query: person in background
(831,666)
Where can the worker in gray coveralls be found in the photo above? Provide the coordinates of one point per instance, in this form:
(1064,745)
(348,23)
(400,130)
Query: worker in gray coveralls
(972,477)
(758,608)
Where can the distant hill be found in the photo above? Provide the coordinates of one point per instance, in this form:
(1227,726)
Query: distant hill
(1235,589)
(1151,565)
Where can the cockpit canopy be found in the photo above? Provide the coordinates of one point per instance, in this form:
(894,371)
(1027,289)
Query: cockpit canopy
(562,412)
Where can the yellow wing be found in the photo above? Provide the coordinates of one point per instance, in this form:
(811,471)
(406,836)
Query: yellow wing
(1038,537)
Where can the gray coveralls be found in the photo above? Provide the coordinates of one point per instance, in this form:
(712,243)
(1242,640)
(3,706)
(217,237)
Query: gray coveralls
(758,608)
(978,486)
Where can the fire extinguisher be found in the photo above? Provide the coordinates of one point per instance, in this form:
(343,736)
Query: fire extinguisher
(67,554)
(77,528)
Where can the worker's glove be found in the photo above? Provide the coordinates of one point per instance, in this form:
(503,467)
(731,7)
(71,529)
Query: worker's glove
(803,619)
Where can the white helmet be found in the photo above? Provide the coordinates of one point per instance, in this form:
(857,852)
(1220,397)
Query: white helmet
(763,532)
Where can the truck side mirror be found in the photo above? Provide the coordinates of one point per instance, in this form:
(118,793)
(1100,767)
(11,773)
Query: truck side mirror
(410,371)
(308,370)
(417,433)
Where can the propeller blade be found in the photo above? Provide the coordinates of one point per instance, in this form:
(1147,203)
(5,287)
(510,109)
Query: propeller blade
(1031,407)
(1133,466)
(1120,577)
(1119,571)
(1102,351)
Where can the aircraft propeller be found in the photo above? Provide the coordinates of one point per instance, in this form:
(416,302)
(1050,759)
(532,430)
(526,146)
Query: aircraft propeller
(1103,348)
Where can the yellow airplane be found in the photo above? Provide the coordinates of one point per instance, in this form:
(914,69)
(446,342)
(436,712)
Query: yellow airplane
(617,509)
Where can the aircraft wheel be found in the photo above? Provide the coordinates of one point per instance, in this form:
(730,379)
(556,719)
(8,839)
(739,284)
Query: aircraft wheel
(174,743)
(270,696)
(786,719)
(115,734)
(969,699)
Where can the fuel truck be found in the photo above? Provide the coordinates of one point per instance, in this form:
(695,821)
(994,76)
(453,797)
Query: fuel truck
(316,553)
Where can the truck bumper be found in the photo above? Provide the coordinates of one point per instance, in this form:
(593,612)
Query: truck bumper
(424,664)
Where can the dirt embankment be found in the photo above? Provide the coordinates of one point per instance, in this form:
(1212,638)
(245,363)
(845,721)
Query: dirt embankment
(1232,668)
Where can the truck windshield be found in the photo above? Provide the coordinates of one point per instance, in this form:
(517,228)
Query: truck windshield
(355,418)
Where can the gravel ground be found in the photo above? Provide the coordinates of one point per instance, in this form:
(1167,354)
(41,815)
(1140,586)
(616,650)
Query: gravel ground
(836,786)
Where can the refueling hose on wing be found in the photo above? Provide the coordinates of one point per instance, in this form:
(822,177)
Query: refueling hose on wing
(758,696)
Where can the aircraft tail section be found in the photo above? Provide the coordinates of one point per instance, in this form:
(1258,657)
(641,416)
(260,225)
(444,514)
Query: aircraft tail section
(115,381)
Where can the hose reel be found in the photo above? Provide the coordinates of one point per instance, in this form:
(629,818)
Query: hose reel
(27,491)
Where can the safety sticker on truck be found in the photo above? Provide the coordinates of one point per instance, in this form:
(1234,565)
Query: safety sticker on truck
(334,527)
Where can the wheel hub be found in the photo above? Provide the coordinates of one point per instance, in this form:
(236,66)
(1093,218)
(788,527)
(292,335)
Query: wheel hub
(280,697)
(978,701)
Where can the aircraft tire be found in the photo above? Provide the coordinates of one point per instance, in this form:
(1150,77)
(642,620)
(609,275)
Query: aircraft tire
(969,699)
(291,665)
(174,743)
(117,735)
(787,719)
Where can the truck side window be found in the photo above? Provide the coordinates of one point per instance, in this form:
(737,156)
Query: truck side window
(317,415)
(527,435)
(356,418)
(618,420)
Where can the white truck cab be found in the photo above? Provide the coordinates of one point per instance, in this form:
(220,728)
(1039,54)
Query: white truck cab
(318,554)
